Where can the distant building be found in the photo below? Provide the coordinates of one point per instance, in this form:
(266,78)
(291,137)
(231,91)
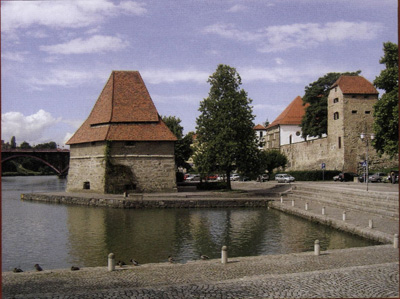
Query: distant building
(260,131)
(123,145)
(350,112)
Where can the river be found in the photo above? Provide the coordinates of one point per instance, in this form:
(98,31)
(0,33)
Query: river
(59,236)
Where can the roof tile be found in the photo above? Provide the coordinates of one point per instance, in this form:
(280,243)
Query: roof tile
(292,115)
(355,85)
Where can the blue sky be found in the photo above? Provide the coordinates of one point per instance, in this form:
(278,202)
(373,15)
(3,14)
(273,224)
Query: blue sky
(56,56)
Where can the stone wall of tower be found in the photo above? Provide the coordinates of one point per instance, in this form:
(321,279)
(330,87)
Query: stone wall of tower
(133,167)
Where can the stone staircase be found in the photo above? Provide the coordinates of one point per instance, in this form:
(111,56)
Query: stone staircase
(378,203)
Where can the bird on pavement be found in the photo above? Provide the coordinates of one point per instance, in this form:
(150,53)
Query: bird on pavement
(171,259)
(38,268)
(121,263)
(135,263)
(17,270)
(204,257)
(73,268)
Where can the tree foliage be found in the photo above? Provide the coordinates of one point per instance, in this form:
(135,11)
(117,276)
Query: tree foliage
(272,159)
(226,139)
(315,121)
(386,110)
(183,149)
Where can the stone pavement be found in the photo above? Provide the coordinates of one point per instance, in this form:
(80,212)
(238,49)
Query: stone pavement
(368,272)
(356,272)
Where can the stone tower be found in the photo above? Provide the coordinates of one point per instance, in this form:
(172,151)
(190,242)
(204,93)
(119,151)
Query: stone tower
(350,112)
(123,145)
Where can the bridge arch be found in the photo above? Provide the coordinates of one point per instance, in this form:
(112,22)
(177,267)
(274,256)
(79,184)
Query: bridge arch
(58,171)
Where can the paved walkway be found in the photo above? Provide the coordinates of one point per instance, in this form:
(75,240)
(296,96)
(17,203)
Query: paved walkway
(369,272)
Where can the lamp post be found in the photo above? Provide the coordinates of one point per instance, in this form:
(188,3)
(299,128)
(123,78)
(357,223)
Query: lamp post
(367,137)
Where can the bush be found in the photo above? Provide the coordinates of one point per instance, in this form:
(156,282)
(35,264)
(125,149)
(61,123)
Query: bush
(313,175)
(212,186)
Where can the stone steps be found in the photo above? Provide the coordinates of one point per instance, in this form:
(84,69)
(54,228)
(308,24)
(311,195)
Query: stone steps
(386,205)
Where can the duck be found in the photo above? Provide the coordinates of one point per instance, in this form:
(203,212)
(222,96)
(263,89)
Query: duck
(121,263)
(135,263)
(38,268)
(73,268)
(17,270)
(204,257)
(171,259)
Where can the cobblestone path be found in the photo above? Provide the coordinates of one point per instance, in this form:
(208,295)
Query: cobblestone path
(369,272)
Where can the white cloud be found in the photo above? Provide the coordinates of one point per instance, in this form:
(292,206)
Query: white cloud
(306,35)
(14,56)
(238,8)
(66,78)
(28,128)
(173,76)
(187,98)
(94,44)
(63,14)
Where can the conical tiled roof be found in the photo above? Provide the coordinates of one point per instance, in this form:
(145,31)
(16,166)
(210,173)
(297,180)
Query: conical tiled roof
(124,111)
(259,127)
(355,85)
(292,115)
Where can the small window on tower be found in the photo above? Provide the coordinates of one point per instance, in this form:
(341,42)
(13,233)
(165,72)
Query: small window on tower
(335,100)
(367,112)
(353,111)
(336,115)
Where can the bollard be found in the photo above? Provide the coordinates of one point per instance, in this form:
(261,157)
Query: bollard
(224,255)
(306,207)
(396,241)
(111,262)
(281,199)
(370,224)
(316,247)
(292,203)
(344,215)
(323,211)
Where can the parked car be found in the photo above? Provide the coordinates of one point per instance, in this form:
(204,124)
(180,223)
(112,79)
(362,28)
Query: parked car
(284,178)
(264,177)
(347,176)
(235,177)
(336,178)
(376,177)
(193,177)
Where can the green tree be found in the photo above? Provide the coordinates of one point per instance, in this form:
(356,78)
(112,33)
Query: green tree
(25,145)
(386,110)
(47,145)
(273,159)
(225,132)
(13,142)
(183,149)
(315,122)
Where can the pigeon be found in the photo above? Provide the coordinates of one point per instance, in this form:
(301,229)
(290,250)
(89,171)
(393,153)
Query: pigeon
(17,270)
(73,268)
(204,257)
(171,259)
(121,263)
(38,268)
(135,263)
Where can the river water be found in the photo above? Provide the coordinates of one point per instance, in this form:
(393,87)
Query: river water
(59,236)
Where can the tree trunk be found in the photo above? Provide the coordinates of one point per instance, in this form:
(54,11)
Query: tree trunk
(228,179)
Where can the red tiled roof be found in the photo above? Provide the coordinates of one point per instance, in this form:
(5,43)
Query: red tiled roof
(292,115)
(124,111)
(259,127)
(355,85)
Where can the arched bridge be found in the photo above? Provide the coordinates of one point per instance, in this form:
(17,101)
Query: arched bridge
(57,159)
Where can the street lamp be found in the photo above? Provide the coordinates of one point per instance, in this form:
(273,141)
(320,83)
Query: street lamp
(367,137)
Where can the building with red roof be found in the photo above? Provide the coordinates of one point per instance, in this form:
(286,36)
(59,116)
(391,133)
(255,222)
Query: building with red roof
(123,145)
(350,112)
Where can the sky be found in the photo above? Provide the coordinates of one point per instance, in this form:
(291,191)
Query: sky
(56,56)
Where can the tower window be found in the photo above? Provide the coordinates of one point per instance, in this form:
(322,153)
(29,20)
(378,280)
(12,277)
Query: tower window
(339,142)
(335,100)
(336,115)
(367,112)
(353,111)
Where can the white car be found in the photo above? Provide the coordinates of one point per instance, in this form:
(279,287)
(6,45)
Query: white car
(284,178)
(235,177)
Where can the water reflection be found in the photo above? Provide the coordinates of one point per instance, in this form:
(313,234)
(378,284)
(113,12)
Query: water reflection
(58,236)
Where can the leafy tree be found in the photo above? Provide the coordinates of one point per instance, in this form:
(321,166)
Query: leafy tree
(386,110)
(183,149)
(315,122)
(48,145)
(273,159)
(13,142)
(225,132)
(266,123)
(25,145)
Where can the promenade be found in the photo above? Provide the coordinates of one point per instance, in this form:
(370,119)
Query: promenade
(368,272)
